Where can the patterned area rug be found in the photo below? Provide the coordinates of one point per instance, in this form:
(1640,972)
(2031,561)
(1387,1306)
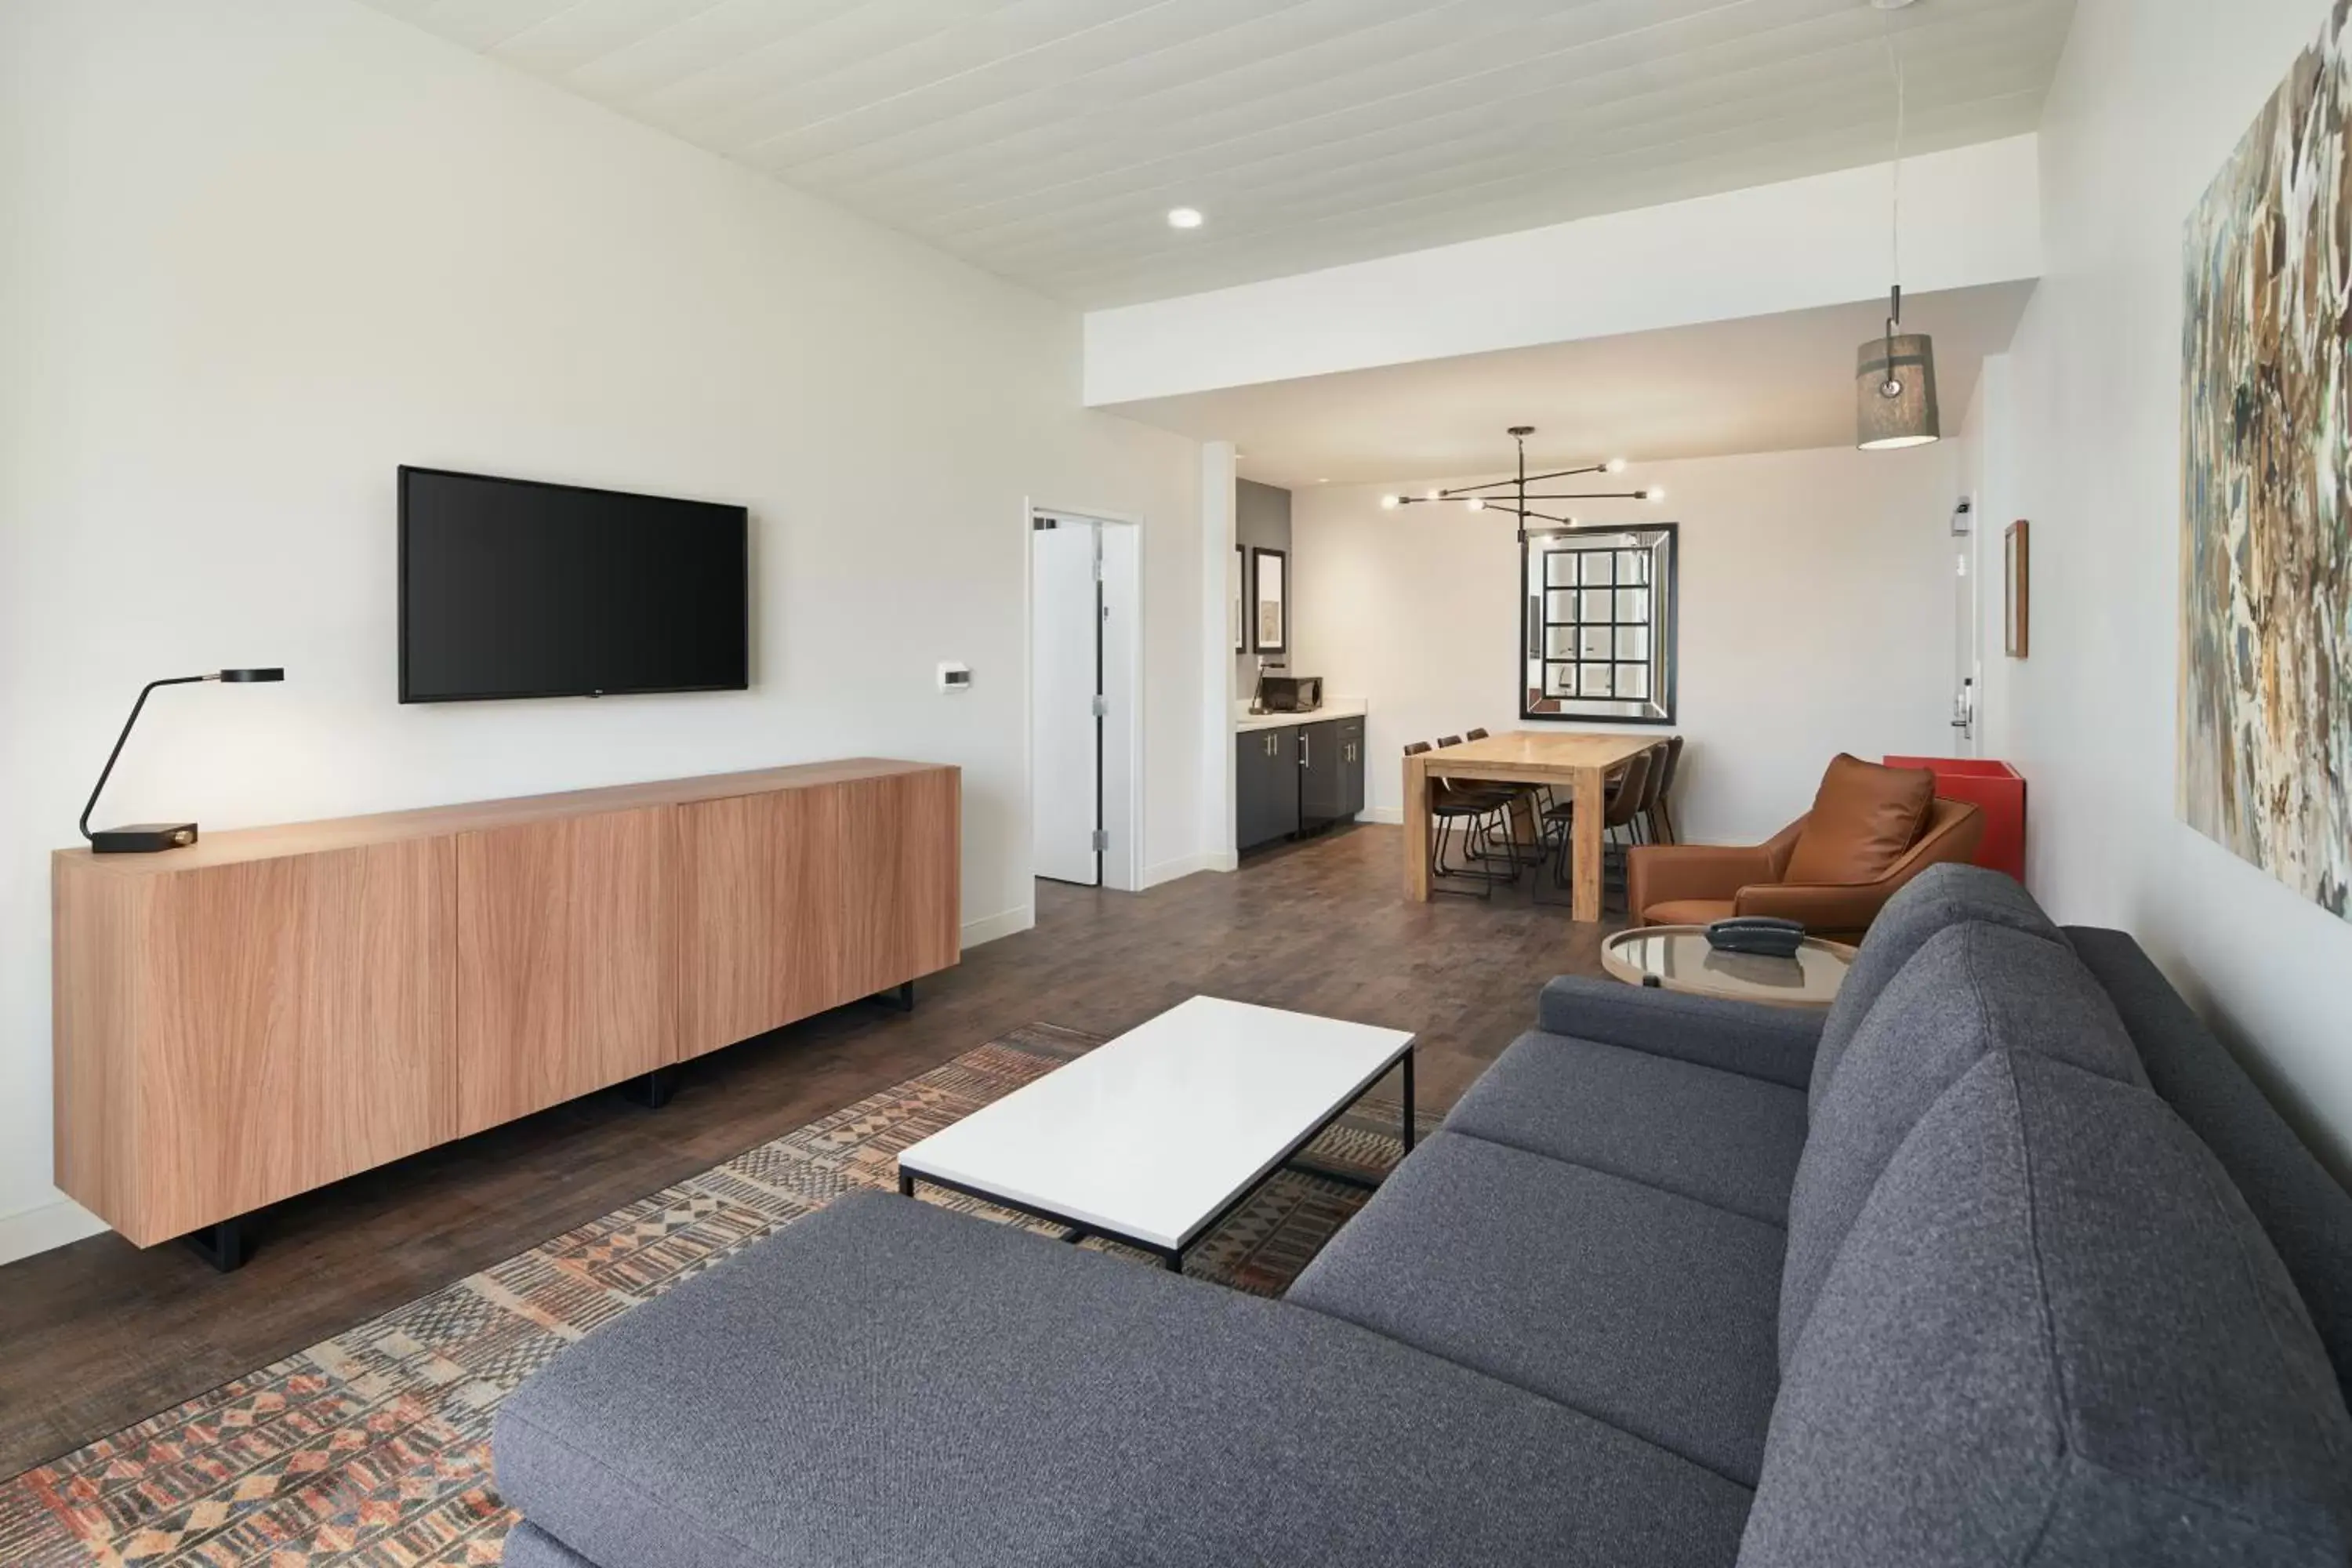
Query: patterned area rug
(373,1448)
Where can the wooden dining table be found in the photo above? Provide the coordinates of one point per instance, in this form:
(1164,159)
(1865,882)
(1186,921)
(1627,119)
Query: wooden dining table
(1575,762)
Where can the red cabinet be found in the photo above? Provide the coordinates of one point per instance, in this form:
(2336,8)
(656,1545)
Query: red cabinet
(1996,787)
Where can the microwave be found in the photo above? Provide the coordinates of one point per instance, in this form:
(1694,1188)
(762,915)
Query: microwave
(1289,693)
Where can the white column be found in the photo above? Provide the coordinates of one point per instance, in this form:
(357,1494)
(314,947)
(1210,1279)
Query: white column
(1217,654)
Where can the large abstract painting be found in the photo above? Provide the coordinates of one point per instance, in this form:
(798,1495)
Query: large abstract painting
(2267,506)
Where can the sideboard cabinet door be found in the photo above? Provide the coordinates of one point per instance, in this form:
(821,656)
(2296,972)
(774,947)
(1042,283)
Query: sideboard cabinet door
(802,899)
(566,960)
(251,1030)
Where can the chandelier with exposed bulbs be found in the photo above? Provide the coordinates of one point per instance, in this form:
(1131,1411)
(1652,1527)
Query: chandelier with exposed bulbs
(1515,496)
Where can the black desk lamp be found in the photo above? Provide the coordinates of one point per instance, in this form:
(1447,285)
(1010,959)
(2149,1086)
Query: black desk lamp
(146,838)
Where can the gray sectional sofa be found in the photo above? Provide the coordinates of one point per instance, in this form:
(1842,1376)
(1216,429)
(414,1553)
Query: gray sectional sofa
(2002,1261)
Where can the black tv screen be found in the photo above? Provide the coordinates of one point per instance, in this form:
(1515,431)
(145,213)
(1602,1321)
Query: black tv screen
(509,588)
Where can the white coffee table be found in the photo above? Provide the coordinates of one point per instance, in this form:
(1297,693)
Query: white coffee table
(1153,1137)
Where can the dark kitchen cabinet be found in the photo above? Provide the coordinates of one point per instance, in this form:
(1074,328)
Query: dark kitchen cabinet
(1350,745)
(1298,777)
(1322,787)
(1267,787)
(1331,771)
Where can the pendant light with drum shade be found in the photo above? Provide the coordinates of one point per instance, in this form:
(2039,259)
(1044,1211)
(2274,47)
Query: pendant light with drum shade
(1895,373)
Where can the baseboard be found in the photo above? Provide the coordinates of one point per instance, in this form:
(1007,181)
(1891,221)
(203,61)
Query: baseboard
(1185,865)
(1392,814)
(1005,922)
(39,1229)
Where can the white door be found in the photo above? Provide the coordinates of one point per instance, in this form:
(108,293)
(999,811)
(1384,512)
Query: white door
(1065,682)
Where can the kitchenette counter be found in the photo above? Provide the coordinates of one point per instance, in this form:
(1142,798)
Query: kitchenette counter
(1246,722)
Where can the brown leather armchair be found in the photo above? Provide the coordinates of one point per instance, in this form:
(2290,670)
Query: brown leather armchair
(1694,884)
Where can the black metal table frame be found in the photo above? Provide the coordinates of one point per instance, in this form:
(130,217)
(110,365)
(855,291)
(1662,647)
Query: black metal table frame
(1172,1257)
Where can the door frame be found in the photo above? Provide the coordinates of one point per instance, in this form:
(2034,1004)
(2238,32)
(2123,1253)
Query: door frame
(1122,862)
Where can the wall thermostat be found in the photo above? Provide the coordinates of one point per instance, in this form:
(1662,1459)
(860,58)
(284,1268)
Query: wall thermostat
(954,676)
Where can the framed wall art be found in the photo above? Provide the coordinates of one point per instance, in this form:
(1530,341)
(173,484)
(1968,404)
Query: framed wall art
(1270,615)
(1235,612)
(2264,731)
(2016,589)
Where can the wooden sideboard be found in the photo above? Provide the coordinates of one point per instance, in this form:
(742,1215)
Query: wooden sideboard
(270,1010)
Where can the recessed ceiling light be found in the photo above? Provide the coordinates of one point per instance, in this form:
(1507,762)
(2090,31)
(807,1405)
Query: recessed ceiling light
(1183,217)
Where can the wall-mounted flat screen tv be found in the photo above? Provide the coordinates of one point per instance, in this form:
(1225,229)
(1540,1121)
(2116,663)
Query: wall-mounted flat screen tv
(509,588)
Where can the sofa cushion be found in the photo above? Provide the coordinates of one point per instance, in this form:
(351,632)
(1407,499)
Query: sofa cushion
(1864,817)
(2307,1216)
(1647,1310)
(1972,989)
(527,1546)
(2056,1336)
(887,1382)
(1715,1136)
(1750,1038)
(1938,897)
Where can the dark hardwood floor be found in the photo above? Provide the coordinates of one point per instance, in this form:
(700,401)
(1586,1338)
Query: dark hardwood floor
(98,1335)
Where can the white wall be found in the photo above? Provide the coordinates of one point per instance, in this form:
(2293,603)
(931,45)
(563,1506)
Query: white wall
(1969,218)
(2150,100)
(259,252)
(1816,617)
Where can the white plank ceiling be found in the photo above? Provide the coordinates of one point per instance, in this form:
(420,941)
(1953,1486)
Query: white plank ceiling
(1046,140)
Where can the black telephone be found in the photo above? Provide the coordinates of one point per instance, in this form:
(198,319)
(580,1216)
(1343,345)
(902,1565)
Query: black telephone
(1764,934)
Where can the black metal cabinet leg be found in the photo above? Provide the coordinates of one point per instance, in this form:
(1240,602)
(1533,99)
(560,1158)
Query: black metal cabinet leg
(225,1244)
(1408,1099)
(900,998)
(906,1185)
(651,1090)
(1175,1261)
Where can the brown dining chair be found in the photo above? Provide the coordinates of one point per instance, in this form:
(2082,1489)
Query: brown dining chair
(1499,798)
(1467,787)
(1642,825)
(1659,816)
(1621,806)
(1450,806)
(1537,799)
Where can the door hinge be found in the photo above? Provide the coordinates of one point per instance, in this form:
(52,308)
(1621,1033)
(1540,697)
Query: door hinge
(1101,706)
(1098,568)
(1101,839)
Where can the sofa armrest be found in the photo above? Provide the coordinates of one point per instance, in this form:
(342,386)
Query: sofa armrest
(1775,1044)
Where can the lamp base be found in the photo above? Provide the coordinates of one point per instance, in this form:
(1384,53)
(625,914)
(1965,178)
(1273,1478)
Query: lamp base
(143,837)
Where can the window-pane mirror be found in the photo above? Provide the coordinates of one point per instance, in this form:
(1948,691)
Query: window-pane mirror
(1598,640)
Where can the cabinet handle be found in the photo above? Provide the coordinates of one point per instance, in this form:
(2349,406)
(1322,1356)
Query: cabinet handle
(1306,747)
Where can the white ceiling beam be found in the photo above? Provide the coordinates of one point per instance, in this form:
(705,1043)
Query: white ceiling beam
(1970,217)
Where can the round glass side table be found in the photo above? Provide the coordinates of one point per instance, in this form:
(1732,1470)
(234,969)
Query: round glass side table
(1679,959)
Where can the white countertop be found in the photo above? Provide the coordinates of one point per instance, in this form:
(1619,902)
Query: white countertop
(1337,707)
(1151,1135)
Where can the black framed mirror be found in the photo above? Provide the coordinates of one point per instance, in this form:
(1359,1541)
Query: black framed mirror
(1598,623)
